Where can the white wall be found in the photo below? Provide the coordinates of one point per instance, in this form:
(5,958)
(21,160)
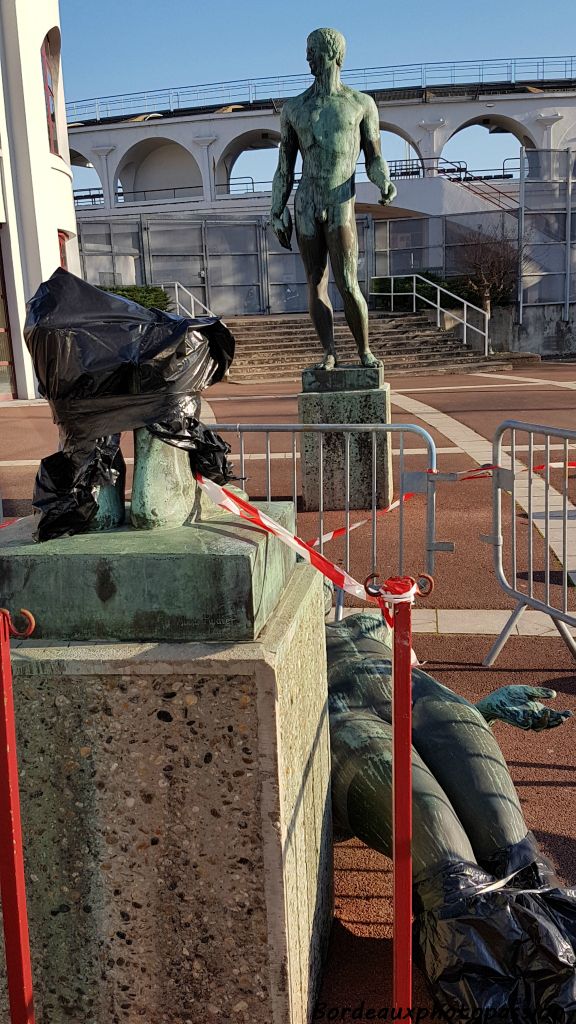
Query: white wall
(169,166)
(37,185)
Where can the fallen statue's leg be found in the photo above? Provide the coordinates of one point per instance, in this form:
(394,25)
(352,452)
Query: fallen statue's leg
(491,944)
(361,745)
(461,751)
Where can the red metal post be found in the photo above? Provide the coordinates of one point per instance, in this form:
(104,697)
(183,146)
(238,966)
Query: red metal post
(402,804)
(12,885)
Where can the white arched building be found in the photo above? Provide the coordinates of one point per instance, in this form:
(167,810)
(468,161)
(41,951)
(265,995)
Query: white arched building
(37,217)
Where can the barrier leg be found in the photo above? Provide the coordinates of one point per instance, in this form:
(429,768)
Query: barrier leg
(12,886)
(497,647)
(566,635)
(402,804)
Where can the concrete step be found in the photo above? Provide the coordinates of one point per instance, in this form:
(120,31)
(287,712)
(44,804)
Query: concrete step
(344,351)
(392,371)
(432,359)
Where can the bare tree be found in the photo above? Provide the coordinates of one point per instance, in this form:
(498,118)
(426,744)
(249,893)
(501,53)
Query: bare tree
(490,260)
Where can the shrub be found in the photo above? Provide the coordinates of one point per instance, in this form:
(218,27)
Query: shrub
(149,296)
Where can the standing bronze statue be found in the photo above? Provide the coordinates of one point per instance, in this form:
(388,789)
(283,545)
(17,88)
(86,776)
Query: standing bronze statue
(329,124)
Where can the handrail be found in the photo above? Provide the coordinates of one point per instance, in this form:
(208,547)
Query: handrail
(194,301)
(399,76)
(454,170)
(467,306)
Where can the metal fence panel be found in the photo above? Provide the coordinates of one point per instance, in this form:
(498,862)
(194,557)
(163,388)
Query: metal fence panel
(267,457)
(534,493)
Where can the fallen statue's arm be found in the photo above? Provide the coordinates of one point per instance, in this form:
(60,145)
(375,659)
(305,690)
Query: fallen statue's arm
(520,706)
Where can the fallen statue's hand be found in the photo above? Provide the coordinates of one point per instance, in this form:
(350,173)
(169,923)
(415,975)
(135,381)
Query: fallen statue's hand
(520,706)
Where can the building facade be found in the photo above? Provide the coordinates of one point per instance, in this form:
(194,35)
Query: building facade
(37,216)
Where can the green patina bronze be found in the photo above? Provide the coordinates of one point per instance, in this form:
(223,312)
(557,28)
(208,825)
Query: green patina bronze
(329,124)
(465,804)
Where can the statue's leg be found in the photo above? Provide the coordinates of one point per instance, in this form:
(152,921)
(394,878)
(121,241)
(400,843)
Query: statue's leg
(342,240)
(361,749)
(314,253)
(163,488)
(461,751)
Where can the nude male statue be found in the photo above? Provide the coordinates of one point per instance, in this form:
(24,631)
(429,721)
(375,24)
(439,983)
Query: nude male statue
(329,124)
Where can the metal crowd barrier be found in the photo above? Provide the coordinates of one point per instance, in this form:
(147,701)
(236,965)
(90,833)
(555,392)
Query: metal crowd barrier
(409,482)
(531,491)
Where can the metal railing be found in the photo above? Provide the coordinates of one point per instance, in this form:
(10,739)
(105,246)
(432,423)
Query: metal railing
(185,301)
(269,457)
(414,296)
(536,576)
(453,170)
(399,76)
(95,196)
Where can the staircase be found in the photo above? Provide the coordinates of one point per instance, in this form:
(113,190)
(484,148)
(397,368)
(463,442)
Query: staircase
(280,347)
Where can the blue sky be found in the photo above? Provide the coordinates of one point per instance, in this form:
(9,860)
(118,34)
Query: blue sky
(115,47)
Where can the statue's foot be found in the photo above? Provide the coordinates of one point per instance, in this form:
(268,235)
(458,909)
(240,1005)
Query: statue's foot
(328,363)
(368,359)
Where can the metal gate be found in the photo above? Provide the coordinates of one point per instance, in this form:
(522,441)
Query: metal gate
(531,491)
(236,267)
(268,458)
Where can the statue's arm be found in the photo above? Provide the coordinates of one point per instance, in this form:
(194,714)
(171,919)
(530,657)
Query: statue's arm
(520,706)
(376,166)
(284,180)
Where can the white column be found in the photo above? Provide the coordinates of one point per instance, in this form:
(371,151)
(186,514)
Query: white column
(546,123)
(430,144)
(206,166)
(108,186)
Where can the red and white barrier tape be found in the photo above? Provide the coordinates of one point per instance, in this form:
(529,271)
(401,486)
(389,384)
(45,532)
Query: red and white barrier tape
(7,522)
(240,507)
(341,579)
(553,465)
(341,531)
(395,591)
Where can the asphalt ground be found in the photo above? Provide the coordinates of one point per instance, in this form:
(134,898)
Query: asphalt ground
(543,765)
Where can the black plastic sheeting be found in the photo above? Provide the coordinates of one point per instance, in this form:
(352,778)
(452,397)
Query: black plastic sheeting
(504,948)
(107,364)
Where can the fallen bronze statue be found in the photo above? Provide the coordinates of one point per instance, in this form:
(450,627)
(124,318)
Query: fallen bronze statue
(494,930)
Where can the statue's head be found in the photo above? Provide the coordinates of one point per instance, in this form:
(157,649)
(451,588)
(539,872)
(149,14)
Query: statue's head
(325,46)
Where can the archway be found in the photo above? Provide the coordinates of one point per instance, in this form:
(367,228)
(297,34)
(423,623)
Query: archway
(400,152)
(156,169)
(488,146)
(249,162)
(87,183)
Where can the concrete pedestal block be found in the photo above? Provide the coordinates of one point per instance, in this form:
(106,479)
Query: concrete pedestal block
(338,396)
(215,577)
(177,823)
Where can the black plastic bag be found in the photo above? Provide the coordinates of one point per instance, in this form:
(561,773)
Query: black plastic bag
(107,364)
(67,484)
(207,450)
(500,948)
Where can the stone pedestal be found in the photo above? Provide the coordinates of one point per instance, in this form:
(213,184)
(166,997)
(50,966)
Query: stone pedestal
(347,394)
(214,578)
(176,818)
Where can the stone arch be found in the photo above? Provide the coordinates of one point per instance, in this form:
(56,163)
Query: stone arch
(86,176)
(568,139)
(157,168)
(394,129)
(494,122)
(256,139)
